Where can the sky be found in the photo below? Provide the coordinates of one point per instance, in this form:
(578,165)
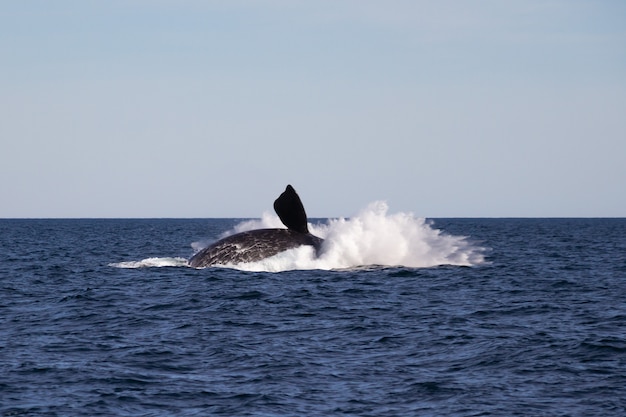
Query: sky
(189,108)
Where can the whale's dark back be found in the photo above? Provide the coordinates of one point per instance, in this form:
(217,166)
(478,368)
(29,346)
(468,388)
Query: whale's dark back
(252,246)
(255,245)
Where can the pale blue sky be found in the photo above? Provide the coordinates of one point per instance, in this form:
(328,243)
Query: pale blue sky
(140,108)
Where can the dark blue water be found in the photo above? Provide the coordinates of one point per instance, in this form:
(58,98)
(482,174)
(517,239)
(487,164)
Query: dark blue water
(539,329)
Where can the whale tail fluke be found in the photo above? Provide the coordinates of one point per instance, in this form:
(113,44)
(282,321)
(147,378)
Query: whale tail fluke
(290,210)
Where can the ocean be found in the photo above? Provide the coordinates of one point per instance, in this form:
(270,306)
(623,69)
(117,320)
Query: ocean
(400,316)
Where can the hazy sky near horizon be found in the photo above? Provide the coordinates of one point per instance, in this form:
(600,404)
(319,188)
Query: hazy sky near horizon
(447,108)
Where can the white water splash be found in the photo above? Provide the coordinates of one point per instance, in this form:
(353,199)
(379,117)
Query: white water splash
(151,263)
(372,237)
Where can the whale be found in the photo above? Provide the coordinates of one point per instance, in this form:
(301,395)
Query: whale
(256,245)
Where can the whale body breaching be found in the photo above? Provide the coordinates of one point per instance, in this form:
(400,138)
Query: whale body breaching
(255,245)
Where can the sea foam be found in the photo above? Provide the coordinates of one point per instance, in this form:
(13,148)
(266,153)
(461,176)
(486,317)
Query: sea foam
(151,263)
(372,237)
